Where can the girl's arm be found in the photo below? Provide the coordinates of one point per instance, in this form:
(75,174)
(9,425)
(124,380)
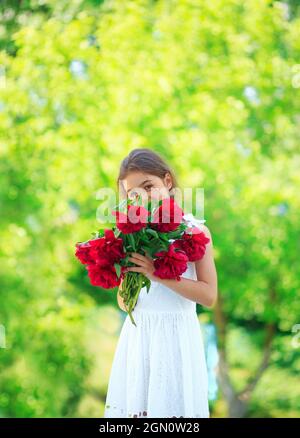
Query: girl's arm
(204,290)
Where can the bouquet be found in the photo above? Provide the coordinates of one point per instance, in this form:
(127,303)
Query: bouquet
(160,233)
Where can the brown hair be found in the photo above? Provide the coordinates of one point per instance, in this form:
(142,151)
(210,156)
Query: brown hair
(148,161)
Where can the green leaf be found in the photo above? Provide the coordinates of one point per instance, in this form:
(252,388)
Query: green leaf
(164,236)
(100,232)
(152,232)
(132,241)
(118,269)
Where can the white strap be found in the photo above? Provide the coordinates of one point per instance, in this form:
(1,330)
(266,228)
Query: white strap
(190,218)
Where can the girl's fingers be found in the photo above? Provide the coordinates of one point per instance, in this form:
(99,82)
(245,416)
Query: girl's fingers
(147,259)
(138,261)
(136,269)
(139,256)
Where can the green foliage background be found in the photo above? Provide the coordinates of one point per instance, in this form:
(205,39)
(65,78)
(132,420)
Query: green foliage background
(214,87)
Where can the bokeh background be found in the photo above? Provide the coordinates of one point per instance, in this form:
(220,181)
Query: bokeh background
(214,87)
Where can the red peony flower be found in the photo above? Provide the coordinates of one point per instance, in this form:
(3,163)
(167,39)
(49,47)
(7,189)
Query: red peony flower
(135,219)
(108,248)
(83,252)
(104,275)
(168,216)
(171,263)
(193,242)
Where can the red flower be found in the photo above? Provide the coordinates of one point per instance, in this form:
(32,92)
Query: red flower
(135,219)
(168,216)
(104,275)
(107,249)
(171,263)
(193,243)
(83,252)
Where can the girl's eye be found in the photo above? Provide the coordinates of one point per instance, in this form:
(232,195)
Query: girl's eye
(134,194)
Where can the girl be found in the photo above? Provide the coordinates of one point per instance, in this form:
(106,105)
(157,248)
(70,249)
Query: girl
(159,368)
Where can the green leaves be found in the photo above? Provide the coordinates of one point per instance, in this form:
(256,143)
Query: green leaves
(118,269)
(152,232)
(147,283)
(131,241)
(98,233)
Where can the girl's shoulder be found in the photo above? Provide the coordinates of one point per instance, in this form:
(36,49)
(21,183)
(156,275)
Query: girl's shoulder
(190,219)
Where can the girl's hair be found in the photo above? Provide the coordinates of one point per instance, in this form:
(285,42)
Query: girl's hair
(148,161)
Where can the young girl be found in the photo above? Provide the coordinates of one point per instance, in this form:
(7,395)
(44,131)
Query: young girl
(159,368)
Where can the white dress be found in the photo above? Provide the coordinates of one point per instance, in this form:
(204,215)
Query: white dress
(159,367)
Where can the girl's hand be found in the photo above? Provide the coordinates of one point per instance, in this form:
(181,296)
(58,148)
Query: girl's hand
(145,265)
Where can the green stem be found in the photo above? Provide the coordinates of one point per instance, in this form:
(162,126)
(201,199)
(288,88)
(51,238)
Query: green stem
(130,291)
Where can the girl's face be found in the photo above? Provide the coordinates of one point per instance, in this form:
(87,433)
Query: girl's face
(149,187)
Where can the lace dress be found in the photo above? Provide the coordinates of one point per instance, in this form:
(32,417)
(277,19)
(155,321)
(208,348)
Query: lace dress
(159,367)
